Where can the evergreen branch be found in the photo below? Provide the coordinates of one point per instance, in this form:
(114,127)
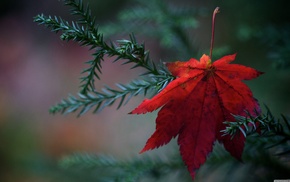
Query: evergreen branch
(72,31)
(266,125)
(121,170)
(83,35)
(108,96)
(129,50)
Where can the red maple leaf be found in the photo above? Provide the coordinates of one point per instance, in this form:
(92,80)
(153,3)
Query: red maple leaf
(195,105)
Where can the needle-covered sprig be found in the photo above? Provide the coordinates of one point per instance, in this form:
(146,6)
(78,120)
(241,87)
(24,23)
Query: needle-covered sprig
(84,32)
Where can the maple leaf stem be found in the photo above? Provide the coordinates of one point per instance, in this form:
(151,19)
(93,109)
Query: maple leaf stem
(216,10)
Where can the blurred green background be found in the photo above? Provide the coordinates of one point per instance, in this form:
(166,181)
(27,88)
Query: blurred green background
(37,69)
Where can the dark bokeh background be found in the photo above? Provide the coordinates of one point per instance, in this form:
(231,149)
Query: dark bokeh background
(37,69)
